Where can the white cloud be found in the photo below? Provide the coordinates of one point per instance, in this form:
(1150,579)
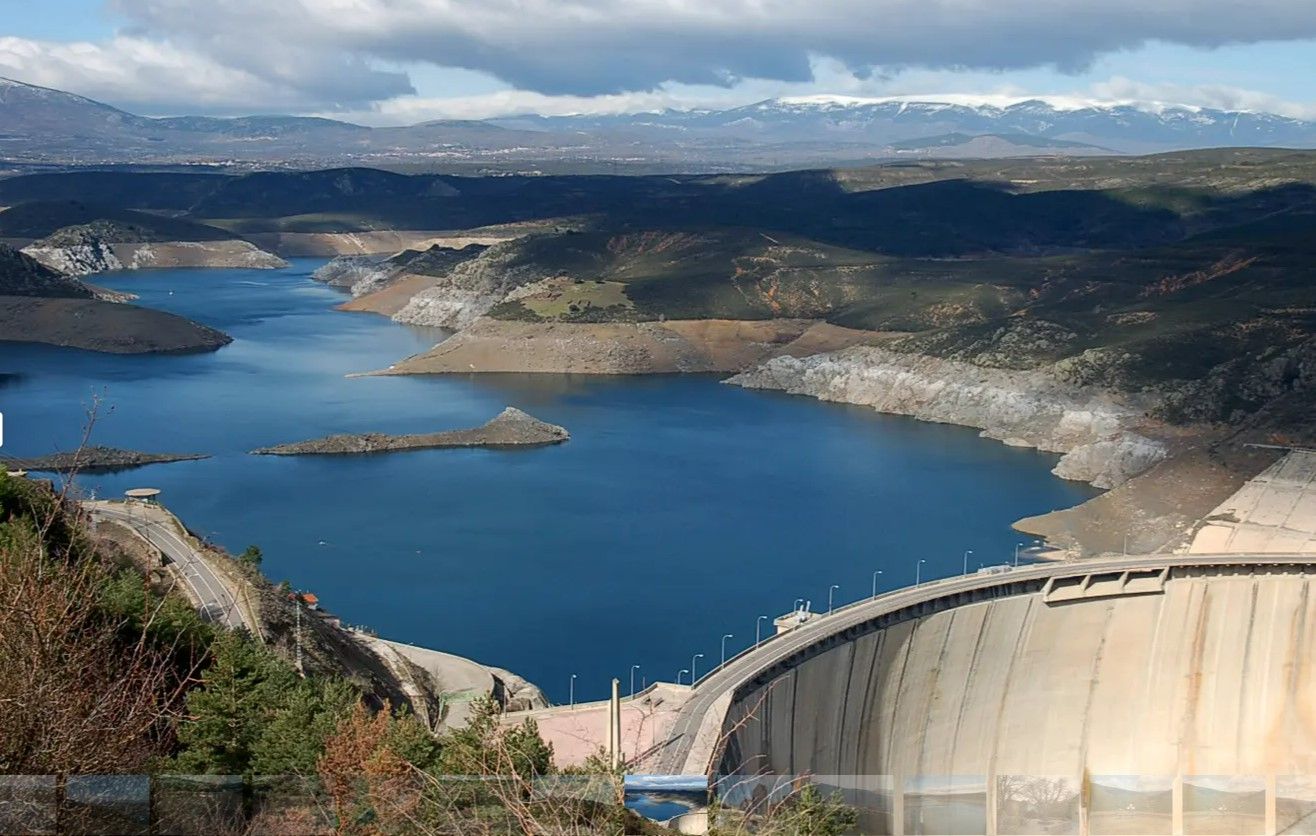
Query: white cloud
(1222,97)
(341,56)
(830,81)
(152,76)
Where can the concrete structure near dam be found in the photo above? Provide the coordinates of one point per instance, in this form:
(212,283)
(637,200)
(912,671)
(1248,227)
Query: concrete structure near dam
(1167,667)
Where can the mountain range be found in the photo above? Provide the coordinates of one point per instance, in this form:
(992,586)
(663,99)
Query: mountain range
(43,126)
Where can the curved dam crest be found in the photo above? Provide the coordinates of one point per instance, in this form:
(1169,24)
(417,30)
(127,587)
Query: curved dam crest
(1165,674)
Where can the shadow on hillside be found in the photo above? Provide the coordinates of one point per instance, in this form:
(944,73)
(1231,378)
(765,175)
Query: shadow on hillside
(943,218)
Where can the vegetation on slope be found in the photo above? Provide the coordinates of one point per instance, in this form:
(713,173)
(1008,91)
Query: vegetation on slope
(38,304)
(105,669)
(64,222)
(22,275)
(924,208)
(1219,322)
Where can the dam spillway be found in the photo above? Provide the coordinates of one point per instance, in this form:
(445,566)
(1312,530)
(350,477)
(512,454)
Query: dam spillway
(1167,674)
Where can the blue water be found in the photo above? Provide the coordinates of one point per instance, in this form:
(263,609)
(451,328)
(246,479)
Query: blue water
(680,510)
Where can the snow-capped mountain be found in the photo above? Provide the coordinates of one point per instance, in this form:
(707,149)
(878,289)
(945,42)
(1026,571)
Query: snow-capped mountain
(50,126)
(1125,128)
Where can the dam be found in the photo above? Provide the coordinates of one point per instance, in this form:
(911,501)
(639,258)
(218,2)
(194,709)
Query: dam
(1134,687)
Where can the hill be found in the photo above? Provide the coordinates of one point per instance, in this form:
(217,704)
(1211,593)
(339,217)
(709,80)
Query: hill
(22,275)
(932,208)
(44,126)
(80,238)
(40,305)
(30,221)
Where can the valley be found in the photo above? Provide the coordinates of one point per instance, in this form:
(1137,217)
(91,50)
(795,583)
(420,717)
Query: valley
(1120,312)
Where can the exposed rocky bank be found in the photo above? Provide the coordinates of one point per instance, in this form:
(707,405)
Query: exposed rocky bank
(1105,438)
(510,428)
(85,253)
(685,346)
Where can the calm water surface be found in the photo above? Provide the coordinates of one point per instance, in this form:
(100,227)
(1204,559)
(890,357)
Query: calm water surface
(680,510)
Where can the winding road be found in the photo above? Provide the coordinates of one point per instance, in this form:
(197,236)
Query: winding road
(212,596)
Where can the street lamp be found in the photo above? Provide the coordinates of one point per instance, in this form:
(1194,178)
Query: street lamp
(679,674)
(634,668)
(875,574)
(966,560)
(758,627)
(918,572)
(725,636)
(693,660)
(830,590)
(1017,547)
(573,692)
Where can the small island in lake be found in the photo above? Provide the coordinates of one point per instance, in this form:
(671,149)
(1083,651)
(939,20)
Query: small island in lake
(98,459)
(511,428)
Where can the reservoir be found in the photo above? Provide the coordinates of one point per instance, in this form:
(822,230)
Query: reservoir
(680,510)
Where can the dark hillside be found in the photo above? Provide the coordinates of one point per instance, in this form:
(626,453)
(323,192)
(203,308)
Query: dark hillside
(40,219)
(929,209)
(21,275)
(158,191)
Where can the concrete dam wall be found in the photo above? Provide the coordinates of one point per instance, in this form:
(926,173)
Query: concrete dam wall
(1200,672)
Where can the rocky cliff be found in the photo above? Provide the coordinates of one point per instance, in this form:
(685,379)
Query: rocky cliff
(1105,438)
(472,287)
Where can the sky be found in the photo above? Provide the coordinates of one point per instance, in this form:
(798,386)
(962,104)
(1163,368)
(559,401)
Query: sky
(403,61)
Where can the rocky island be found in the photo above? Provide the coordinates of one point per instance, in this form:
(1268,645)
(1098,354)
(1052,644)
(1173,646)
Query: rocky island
(99,460)
(510,428)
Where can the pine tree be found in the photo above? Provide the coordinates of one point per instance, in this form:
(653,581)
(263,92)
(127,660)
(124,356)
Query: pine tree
(243,690)
(293,739)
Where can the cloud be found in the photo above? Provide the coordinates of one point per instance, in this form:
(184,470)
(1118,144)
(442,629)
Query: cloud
(1219,96)
(157,76)
(341,55)
(834,82)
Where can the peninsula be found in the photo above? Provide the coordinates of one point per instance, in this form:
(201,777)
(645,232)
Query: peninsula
(99,459)
(41,305)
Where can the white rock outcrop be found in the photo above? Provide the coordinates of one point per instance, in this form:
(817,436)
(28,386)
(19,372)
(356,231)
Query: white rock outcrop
(1095,430)
(79,260)
(472,288)
(95,256)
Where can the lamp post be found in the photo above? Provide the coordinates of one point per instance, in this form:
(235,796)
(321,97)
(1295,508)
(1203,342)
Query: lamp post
(875,574)
(725,636)
(573,692)
(1017,547)
(966,560)
(679,674)
(694,659)
(918,572)
(831,589)
(634,668)
(758,627)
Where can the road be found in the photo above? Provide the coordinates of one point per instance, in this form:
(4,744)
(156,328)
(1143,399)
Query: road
(692,742)
(212,596)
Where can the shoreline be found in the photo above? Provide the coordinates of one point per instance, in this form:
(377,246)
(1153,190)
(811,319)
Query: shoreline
(1104,438)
